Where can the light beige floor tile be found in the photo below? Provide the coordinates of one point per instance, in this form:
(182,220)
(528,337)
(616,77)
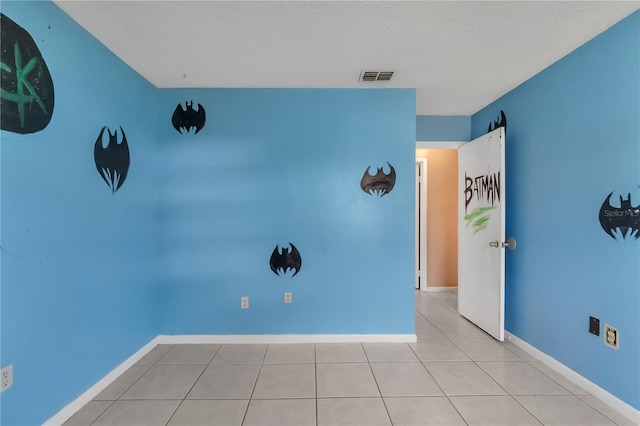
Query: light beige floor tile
(122,383)
(165,382)
(281,412)
(405,379)
(438,350)
(439,314)
(607,411)
(87,414)
(424,411)
(521,353)
(138,413)
(189,354)
(463,378)
(286,381)
(240,354)
(424,329)
(352,412)
(345,380)
(492,411)
(485,350)
(563,411)
(389,352)
(559,379)
(460,328)
(210,413)
(290,354)
(225,381)
(520,378)
(154,355)
(340,352)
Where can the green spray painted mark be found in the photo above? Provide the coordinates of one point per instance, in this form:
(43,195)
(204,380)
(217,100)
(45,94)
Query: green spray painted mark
(21,98)
(479,218)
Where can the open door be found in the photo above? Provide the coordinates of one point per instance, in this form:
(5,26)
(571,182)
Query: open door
(481,232)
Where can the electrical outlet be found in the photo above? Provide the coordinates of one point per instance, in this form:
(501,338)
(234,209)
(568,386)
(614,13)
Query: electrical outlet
(6,378)
(611,336)
(244,302)
(594,326)
(287,298)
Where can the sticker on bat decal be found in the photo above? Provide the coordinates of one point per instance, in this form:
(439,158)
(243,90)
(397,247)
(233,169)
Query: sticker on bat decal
(379,184)
(502,122)
(623,221)
(283,261)
(26,87)
(186,119)
(112,161)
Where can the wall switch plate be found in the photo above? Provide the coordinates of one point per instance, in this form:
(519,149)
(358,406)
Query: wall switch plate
(6,378)
(611,336)
(287,298)
(594,326)
(244,302)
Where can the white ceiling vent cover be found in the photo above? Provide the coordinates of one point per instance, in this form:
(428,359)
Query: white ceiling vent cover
(376,75)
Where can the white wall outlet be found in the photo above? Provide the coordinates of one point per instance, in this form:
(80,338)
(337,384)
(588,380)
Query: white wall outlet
(611,336)
(244,302)
(287,298)
(6,378)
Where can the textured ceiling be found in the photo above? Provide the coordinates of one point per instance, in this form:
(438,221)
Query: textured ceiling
(459,55)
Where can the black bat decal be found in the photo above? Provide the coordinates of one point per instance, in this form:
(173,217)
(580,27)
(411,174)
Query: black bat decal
(626,218)
(499,123)
(112,161)
(379,184)
(186,119)
(282,262)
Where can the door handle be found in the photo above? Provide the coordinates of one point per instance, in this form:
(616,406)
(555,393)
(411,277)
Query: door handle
(510,244)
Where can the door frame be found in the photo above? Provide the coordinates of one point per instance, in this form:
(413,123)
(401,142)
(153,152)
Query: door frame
(421,224)
(428,145)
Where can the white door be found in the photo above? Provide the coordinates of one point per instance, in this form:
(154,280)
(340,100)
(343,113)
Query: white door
(481,232)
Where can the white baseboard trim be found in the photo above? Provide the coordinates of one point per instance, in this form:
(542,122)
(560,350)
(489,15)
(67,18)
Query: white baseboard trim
(287,338)
(611,400)
(435,289)
(67,412)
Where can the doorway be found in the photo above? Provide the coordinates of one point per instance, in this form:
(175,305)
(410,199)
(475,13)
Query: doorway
(437,216)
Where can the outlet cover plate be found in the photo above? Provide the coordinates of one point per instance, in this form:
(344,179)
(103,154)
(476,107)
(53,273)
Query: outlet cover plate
(6,378)
(594,326)
(611,336)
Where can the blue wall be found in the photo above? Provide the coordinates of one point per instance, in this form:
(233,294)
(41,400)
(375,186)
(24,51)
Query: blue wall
(573,137)
(277,166)
(79,265)
(443,128)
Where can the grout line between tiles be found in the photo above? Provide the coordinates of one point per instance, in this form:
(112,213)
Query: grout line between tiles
(441,389)
(264,356)
(377,385)
(315,369)
(103,411)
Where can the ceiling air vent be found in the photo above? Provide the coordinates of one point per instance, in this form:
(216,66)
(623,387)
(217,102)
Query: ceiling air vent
(376,75)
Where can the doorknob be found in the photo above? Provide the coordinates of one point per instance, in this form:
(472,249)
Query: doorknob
(510,244)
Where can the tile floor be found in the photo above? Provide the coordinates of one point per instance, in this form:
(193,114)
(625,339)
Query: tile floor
(454,375)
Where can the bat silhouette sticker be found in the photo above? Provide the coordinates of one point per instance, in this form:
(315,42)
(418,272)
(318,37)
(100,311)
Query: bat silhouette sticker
(379,184)
(186,119)
(626,218)
(502,122)
(281,262)
(112,161)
